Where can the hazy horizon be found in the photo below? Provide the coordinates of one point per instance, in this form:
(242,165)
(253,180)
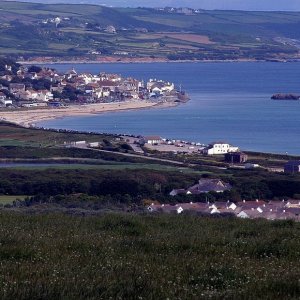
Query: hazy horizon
(254,5)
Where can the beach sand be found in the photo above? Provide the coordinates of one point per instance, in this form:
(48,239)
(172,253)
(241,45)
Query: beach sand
(31,117)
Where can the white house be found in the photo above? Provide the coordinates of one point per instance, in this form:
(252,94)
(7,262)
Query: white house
(44,95)
(4,100)
(152,140)
(219,148)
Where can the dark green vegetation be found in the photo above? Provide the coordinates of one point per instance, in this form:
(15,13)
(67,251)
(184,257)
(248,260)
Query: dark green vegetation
(100,188)
(26,29)
(147,257)
(94,179)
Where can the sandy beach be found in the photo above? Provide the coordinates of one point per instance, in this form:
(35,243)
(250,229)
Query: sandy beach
(31,117)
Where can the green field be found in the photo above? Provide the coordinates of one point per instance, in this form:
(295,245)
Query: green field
(6,199)
(116,256)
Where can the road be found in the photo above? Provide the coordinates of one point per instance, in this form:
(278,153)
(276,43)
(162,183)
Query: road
(138,156)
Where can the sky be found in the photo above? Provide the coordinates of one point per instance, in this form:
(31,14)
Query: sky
(286,5)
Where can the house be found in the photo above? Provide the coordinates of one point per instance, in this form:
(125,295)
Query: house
(249,214)
(2,96)
(293,204)
(44,95)
(292,167)
(257,204)
(219,148)
(16,87)
(223,205)
(204,186)
(159,86)
(236,157)
(151,140)
(4,100)
(110,29)
(209,185)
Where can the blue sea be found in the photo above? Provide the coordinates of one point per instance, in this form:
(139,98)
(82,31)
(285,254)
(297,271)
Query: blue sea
(229,102)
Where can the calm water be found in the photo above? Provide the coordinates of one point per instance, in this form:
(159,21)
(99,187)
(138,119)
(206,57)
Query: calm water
(229,101)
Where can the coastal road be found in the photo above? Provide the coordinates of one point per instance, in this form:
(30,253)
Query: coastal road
(138,156)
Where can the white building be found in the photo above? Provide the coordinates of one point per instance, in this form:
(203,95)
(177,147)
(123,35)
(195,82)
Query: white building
(219,148)
(152,140)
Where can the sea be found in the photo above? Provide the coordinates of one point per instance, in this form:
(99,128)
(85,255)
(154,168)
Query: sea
(230,101)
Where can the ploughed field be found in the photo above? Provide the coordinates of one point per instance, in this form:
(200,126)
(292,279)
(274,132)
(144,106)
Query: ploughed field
(147,257)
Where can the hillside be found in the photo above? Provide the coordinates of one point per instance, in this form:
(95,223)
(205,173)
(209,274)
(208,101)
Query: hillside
(92,31)
(121,256)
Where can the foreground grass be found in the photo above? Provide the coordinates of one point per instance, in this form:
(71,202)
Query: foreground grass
(147,257)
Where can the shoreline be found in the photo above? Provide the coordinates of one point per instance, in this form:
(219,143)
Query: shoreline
(136,61)
(30,118)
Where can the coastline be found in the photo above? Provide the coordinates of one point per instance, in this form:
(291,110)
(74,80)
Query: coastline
(44,61)
(30,117)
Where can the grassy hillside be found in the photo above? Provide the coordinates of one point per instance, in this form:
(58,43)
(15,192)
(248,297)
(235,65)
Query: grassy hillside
(26,29)
(147,257)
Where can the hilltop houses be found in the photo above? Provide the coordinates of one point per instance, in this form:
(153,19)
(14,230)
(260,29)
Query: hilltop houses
(32,85)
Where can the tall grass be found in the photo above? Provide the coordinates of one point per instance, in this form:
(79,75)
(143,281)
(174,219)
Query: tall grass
(147,257)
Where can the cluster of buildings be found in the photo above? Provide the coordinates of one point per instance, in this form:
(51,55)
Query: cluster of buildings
(232,153)
(180,10)
(257,209)
(271,210)
(21,89)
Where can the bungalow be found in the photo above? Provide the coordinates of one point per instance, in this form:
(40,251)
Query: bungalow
(219,148)
(236,157)
(209,185)
(204,186)
(250,214)
(257,204)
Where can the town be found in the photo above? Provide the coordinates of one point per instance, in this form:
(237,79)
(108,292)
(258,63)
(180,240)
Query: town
(34,86)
